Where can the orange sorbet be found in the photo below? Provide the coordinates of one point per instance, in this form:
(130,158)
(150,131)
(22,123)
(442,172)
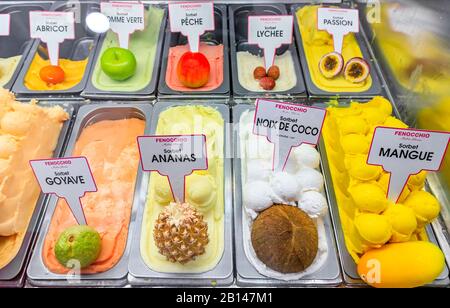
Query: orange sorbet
(74,72)
(111,149)
(214,54)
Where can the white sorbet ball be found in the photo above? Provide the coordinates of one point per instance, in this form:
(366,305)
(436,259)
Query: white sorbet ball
(257,196)
(285,186)
(313,203)
(258,170)
(310,179)
(307,156)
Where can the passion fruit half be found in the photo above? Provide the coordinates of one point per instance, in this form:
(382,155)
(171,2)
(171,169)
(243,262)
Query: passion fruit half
(356,70)
(331,64)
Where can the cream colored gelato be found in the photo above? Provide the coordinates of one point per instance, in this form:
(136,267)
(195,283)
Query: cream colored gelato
(7,68)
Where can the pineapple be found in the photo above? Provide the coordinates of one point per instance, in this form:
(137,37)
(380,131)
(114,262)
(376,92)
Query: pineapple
(180,233)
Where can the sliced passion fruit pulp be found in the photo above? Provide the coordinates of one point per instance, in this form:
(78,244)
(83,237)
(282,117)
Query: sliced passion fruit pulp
(331,64)
(356,70)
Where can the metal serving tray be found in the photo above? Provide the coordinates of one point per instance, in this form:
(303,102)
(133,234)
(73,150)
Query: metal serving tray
(13,275)
(313,90)
(38,274)
(18,42)
(149,92)
(222,274)
(350,273)
(81,47)
(247,275)
(216,37)
(238,42)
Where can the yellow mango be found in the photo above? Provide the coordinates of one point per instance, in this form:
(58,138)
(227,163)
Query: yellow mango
(401,265)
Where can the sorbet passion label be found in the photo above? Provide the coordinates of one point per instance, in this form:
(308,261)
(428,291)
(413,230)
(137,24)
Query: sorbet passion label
(124,18)
(68,178)
(192,19)
(52,28)
(405,152)
(269,33)
(287,126)
(338,22)
(174,156)
(5,21)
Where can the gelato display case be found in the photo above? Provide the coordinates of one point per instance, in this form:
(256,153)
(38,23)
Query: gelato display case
(105,134)
(75,57)
(214,45)
(146,46)
(15,47)
(329,217)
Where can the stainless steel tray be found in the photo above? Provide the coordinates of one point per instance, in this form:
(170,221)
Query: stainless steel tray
(38,274)
(218,36)
(149,92)
(313,90)
(238,42)
(222,274)
(13,275)
(350,274)
(18,42)
(247,275)
(82,47)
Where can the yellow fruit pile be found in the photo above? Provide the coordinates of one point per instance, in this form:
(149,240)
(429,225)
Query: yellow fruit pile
(369,220)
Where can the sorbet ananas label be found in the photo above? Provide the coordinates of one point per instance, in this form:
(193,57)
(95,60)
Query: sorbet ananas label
(287,126)
(68,178)
(406,152)
(174,156)
(192,19)
(52,28)
(5,21)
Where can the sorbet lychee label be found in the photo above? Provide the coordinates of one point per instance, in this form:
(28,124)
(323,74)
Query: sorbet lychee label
(269,33)
(405,152)
(192,19)
(174,156)
(287,126)
(52,28)
(4,24)
(338,22)
(124,18)
(67,178)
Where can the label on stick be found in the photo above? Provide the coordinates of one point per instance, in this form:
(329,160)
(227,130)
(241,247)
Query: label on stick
(68,178)
(405,152)
(5,21)
(124,18)
(338,22)
(174,156)
(287,126)
(192,19)
(269,33)
(52,28)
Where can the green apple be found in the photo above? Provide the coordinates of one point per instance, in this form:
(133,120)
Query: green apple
(118,63)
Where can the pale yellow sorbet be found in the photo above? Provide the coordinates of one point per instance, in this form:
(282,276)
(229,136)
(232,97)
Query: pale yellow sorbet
(7,68)
(204,189)
(247,63)
(317,43)
(27,132)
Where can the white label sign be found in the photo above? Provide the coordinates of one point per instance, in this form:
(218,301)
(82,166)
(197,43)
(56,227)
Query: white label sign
(405,152)
(5,20)
(269,33)
(174,156)
(52,28)
(338,22)
(124,19)
(287,126)
(68,178)
(192,19)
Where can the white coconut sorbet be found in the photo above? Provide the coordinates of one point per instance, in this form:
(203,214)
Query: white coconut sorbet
(300,184)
